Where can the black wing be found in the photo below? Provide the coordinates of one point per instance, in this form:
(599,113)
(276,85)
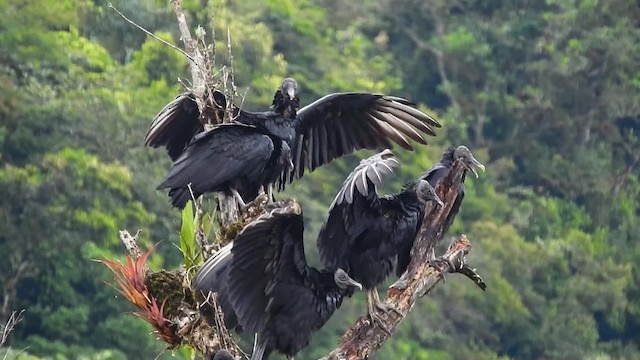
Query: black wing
(218,158)
(435,174)
(212,277)
(406,229)
(266,252)
(178,122)
(354,209)
(440,169)
(341,123)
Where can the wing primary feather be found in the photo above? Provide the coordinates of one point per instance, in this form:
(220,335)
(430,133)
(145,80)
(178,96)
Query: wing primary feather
(349,194)
(324,144)
(370,136)
(309,147)
(400,125)
(298,159)
(393,134)
(317,144)
(414,112)
(417,123)
(362,183)
(375,171)
(400,100)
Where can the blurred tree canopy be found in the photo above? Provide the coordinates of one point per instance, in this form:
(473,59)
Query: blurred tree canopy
(546,93)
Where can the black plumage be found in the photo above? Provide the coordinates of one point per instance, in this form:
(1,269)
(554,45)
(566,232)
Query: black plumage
(441,169)
(331,127)
(222,354)
(266,287)
(230,156)
(179,122)
(366,234)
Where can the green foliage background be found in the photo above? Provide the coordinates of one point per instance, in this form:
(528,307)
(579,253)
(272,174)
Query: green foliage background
(546,93)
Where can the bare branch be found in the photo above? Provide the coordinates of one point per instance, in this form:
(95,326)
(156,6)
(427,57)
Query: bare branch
(23,268)
(8,327)
(234,90)
(196,58)
(131,243)
(110,5)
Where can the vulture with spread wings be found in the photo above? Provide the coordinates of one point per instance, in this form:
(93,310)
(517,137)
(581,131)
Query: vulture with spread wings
(368,235)
(265,286)
(278,144)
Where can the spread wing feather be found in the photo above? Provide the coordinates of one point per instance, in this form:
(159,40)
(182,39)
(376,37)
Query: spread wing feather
(341,123)
(366,177)
(266,252)
(354,207)
(175,125)
(178,122)
(212,277)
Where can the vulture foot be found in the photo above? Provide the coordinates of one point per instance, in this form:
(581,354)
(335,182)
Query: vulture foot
(373,307)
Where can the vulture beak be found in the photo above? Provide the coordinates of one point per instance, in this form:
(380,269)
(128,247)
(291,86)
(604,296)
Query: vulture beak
(343,280)
(436,198)
(472,164)
(355,284)
(291,92)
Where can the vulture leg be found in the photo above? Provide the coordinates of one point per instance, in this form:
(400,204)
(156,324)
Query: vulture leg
(258,349)
(270,193)
(373,314)
(239,199)
(384,307)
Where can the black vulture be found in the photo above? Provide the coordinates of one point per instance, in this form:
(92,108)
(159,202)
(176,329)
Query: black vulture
(265,285)
(332,126)
(366,234)
(233,158)
(440,170)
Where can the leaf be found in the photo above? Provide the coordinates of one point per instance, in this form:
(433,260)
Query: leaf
(188,236)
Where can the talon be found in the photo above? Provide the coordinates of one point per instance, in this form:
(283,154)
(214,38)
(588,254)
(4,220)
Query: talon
(443,260)
(375,318)
(386,308)
(441,269)
(373,302)
(241,204)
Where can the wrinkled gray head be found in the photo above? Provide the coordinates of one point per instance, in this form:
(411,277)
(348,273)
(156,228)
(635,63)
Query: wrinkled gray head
(462,152)
(289,88)
(426,192)
(343,280)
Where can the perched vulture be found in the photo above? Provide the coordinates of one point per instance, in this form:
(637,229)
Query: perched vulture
(367,234)
(265,286)
(276,146)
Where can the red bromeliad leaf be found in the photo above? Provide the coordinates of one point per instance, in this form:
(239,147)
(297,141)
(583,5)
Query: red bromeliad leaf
(129,279)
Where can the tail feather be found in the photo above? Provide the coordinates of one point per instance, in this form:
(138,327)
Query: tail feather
(180,197)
